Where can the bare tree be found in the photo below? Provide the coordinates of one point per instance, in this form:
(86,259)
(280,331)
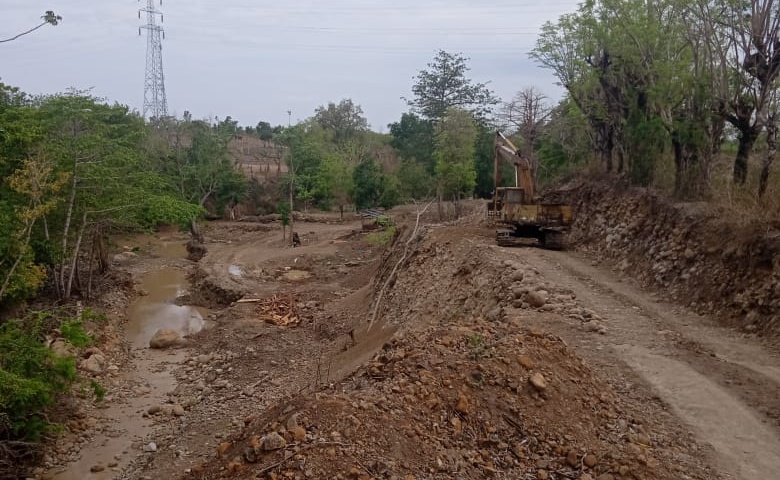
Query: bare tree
(528,111)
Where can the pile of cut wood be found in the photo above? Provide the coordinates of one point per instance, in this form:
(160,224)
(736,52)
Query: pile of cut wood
(278,309)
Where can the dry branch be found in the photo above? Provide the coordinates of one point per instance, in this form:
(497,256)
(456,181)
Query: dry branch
(277,309)
(395,269)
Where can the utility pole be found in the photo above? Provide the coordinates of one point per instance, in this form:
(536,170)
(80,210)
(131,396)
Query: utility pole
(155,102)
(292,183)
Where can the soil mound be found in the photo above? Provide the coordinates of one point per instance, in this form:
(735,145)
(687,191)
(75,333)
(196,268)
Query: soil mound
(461,390)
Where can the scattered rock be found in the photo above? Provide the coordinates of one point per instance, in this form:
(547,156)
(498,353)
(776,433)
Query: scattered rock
(572,459)
(526,362)
(590,460)
(94,364)
(272,441)
(536,299)
(178,410)
(62,348)
(518,276)
(641,439)
(97,468)
(463,404)
(495,314)
(150,447)
(538,381)
(165,338)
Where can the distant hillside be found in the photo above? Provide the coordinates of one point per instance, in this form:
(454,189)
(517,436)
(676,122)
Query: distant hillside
(258,159)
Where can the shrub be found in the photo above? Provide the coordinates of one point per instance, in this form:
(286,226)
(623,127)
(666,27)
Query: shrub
(31,376)
(382,237)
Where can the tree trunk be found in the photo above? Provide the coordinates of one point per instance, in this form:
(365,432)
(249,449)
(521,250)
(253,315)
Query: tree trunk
(75,259)
(100,251)
(771,152)
(679,168)
(60,276)
(747,139)
(92,255)
(607,148)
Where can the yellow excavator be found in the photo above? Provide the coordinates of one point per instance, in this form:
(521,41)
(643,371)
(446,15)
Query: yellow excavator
(518,210)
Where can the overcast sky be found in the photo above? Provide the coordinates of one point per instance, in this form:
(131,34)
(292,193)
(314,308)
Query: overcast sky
(254,60)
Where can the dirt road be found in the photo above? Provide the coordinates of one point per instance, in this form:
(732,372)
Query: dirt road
(726,386)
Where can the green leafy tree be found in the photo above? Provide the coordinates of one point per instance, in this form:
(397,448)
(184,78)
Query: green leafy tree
(345,119)
(334,181)
(643,81)
(445,84)
(412,138)
(367,179)
(264,131)
(456,136)
(414,181)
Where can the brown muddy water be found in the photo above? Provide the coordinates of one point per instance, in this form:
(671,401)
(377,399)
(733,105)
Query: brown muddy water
(157,310)
(148,379)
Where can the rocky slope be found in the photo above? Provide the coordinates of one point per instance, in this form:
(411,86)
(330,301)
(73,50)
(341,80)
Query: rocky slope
(687,251)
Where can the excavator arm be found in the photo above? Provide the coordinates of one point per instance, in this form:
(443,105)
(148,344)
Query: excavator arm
(505,149)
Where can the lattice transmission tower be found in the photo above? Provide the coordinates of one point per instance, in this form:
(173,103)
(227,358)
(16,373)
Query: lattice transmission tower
(155,103)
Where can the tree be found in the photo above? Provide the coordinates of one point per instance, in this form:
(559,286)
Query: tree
(635,72)
(344,120)
(367,179)
(414,181)
(49,18)
(264,131)
(334,181)
(412,138)
(528,112)
(456,135)
(753,50)
(445,85)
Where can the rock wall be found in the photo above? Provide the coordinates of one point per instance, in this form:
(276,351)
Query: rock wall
(687,251)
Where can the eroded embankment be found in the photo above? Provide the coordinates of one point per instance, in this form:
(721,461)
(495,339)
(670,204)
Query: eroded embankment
(462,390)
(687,250)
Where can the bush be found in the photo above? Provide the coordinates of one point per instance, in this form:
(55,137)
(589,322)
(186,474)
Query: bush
(382,237)
(31,374)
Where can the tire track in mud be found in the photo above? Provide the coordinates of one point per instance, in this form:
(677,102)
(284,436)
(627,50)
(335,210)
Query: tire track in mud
(724,386)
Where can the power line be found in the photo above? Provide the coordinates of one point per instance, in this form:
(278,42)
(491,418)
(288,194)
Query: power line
(155,101)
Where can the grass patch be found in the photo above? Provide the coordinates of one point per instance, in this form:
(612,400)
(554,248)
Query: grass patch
(382,237)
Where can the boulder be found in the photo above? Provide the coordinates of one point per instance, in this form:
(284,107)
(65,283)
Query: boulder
(165,338)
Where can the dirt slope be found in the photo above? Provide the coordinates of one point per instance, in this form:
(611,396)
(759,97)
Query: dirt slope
(468,387)
(481,362)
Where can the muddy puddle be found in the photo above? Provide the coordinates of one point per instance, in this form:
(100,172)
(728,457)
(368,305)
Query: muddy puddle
(148,380)
(157,310)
